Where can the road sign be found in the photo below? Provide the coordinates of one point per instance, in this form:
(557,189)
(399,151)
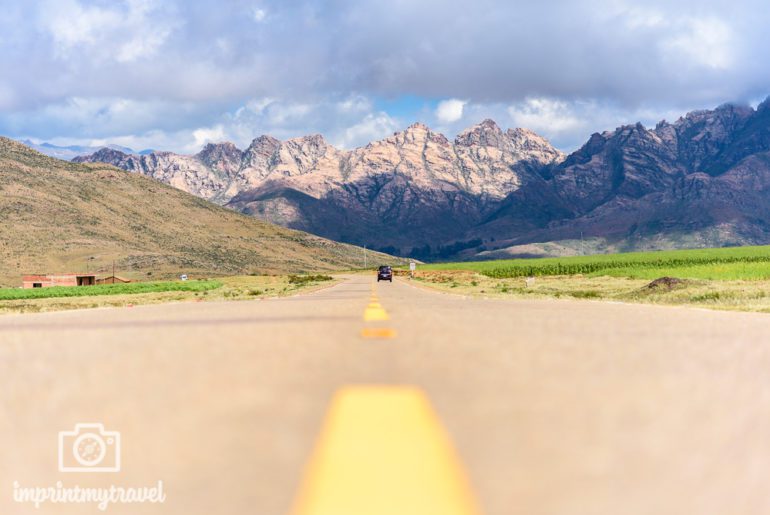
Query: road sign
(412,266)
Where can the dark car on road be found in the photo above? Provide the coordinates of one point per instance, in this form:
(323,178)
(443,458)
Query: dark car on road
(385,273)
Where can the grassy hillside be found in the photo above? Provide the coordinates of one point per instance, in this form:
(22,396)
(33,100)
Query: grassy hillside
(57,216)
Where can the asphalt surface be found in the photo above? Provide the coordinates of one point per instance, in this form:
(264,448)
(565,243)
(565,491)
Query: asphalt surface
(554,407)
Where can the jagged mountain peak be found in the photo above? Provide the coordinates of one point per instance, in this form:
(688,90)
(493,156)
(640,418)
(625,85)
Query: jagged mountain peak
(310,139)
(417,188)
(416,131)
(221,147)
(307,147)
(260,150)
(263,140)
(633,131)
(534,145)
(487,134)
(737,107)
(728,113)
(106,152)
(417,126)
(489,124)
(222,156)
(416,134)
(521,133)
(485,126)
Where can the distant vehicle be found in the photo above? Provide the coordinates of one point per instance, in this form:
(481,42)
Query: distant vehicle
(385,273)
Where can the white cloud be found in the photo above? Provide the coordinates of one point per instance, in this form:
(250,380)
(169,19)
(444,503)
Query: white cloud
(126,31)
(205,135)
(373,127)
(641,17)
(544,115)
(347,123)
(450,111)
(703,41)
(7,96)
(258,14)
(684,40)
(90,69)
(355,104)
(71,24)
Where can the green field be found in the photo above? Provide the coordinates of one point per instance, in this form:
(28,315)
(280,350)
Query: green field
(107,289)
(731,263)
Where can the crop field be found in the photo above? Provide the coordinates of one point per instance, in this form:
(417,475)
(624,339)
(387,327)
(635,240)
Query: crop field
(232,288)
(107,289)
(732,263)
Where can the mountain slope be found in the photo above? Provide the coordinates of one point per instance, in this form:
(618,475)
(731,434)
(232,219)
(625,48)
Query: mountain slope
(701,181)
(59,216)
(411,189)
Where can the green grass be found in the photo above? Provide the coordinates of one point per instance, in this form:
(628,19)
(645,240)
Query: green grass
(107,289)
(721,264)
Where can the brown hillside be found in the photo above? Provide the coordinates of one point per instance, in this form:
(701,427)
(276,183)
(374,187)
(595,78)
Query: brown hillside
(60,216)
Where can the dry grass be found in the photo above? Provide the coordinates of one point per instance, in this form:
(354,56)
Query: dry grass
(740,295)
(65,217)
(234,288)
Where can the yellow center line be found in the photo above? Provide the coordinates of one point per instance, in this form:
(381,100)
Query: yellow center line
(374,312)
(383,451)
(378,333)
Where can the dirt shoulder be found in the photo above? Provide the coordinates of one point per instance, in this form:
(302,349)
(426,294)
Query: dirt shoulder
(747,295)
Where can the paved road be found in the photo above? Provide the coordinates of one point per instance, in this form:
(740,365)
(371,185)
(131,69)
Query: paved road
(555,407)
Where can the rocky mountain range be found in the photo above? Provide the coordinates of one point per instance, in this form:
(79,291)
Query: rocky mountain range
(412,189)
(702,180)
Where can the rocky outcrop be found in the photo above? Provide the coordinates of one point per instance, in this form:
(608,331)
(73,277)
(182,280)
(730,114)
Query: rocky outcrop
(414,188)
(701,180)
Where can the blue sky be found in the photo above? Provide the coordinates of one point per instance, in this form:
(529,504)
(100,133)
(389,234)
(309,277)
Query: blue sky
(173,74)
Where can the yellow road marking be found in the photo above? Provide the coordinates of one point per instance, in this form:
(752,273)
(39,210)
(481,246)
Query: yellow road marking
(375,312)
(383,451)
(378,332)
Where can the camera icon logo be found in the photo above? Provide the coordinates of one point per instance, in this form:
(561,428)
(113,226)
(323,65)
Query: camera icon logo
(89,448)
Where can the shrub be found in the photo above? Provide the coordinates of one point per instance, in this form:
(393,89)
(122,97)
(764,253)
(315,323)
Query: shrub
(304,279)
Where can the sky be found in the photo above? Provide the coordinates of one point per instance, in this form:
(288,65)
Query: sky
(176,74)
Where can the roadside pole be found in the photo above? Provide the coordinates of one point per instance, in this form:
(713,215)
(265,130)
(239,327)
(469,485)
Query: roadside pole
(412,267)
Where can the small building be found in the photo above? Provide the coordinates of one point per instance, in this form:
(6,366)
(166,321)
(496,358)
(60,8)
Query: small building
(48,280)
(112,279)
